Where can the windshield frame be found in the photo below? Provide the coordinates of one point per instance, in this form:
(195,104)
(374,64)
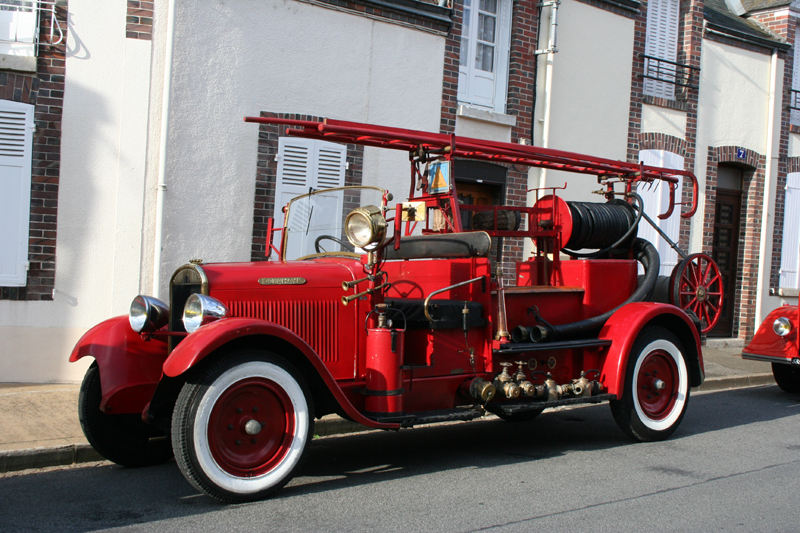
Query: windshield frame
(288,207)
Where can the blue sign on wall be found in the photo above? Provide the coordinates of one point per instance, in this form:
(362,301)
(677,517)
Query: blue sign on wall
(740,153)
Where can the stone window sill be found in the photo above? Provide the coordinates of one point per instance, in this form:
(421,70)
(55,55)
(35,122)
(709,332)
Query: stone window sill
(485,115)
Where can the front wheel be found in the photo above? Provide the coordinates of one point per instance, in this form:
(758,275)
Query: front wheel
(240,430)
(123,439)
(656,387)
(787,377)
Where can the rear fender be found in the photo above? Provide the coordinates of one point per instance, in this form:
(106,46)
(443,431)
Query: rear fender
(206,340)
(130,367)
(624,326)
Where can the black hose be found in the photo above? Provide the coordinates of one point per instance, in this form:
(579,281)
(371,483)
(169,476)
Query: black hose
(647,255)
(606,226)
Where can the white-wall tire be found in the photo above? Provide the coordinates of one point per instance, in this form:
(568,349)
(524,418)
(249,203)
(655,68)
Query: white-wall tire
(656,391)
(241,430)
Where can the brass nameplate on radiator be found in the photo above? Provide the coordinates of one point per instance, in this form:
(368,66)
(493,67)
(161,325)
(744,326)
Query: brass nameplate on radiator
(282,281)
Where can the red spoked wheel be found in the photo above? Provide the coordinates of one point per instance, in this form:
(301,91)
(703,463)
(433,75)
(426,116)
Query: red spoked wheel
(696,286)
(241,429)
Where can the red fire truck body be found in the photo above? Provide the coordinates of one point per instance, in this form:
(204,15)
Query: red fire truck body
(410,323)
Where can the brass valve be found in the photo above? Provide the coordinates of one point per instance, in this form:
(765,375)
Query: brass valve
(526,387)
(505,383)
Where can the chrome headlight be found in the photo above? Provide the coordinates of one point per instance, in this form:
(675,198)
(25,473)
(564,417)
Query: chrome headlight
(782,326)
(201,310)
(148,314)
(365,226)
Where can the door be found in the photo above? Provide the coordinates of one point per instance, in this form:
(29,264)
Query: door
(725,252)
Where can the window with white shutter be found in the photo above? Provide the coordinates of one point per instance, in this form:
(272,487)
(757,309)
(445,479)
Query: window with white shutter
(656,202)
(306,165)
(790,249)
(661,42)
(16,146)
(483,61)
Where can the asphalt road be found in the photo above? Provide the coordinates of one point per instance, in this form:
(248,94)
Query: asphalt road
(733,465)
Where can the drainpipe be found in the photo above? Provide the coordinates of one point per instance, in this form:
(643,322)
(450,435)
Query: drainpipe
(767,216)
(162,152)
(548,81)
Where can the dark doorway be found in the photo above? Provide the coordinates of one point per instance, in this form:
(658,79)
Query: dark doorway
(725,247)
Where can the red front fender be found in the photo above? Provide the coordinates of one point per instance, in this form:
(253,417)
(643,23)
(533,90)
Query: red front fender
(205,340)
(624,326)
(130,367)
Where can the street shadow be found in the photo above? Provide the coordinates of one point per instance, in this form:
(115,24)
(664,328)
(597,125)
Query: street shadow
(105,496)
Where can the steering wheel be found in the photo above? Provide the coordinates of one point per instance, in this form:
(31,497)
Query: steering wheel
(346,245)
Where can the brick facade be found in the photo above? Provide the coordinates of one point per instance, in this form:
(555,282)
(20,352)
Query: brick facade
(749,229)
(44,90)
(267,171)
(139,20)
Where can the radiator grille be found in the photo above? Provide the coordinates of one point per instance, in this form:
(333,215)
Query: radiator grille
(314,322)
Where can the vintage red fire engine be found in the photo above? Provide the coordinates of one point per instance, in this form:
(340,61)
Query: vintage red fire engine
(776,342)
(394,315)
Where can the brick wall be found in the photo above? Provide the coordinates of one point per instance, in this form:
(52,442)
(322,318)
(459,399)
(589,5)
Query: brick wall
(139,20)
(784,26)
(44,90)
(267,170)
(749,229)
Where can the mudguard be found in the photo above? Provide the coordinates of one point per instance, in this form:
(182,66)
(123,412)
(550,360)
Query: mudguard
(624,326)
(767,345)
(205,340)
(130,367)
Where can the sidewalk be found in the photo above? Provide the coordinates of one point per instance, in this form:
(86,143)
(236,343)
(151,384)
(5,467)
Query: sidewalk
(39,422)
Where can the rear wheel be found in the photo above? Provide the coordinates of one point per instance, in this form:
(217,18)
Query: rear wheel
(123,439)
(787,377)
(240,430)
(656,387)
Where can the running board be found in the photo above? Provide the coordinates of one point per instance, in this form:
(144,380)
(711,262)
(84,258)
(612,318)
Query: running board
(512,408)
(429,417)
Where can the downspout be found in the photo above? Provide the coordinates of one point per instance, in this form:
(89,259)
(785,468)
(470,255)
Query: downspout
(548,80)
(764,261)
(162,152)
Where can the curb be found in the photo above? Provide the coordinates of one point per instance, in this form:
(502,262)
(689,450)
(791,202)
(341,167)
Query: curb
(732,382)
(12,461)
(43,457)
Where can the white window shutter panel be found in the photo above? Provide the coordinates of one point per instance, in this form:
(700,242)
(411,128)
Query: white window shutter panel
(331,160)
(790,249)
(16,149)
(656,202)
(795,116)
(661,42)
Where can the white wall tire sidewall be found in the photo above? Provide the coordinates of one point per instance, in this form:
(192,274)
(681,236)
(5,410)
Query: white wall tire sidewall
(206,462)
(683,386)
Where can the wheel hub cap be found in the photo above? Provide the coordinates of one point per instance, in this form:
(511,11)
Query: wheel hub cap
(251,427)
(657,384)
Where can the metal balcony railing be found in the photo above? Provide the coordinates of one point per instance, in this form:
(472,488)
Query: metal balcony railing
(670,72)
(20,22)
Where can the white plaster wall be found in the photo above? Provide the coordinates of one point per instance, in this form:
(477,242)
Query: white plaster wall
(656,119)
(733,101)
(794,145)
(237,57)
(590,94)
(100,198)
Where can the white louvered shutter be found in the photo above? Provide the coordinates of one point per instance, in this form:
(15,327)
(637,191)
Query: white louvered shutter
(303,165)
(662,42)
(656,202)
(790,249)
(16,147)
